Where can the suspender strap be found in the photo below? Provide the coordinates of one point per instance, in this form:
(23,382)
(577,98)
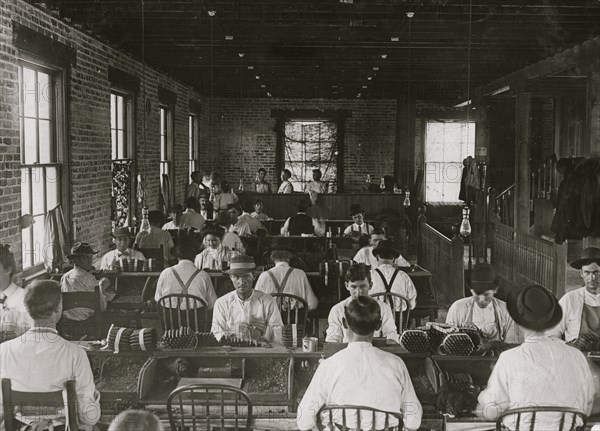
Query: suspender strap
(388,286)
(281,286)
(185,286)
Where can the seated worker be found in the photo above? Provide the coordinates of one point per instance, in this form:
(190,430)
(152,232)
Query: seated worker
(365,254)
(261,185)
(581,307)
(42,361)
(301,223)
(191,216)
(79,279)
(315,187)
(206,182)
(358,283)
(285,279)
(482,310)
(258,213)
(121,237)
(176,219)
(206,207)
(286,187)
(157,237)
(193,188)
(246,312)
(540,372)
(239,226)
(388,278)
(224,196)
(361,375)
(214,253)
(246,216)
(13,313)
(359,227)
(230,239)
(185,277)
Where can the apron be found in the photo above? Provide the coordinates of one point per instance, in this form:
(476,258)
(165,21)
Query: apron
(590,319)
(497,334)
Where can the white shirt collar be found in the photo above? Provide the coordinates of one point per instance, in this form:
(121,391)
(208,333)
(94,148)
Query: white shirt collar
(12,288)
(359,345)
(282,263)
(39,329)
(242,301)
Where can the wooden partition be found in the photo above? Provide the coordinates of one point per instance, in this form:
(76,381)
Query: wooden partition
(329,206)
(525,259)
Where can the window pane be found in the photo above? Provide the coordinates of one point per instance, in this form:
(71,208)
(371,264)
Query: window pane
(25,185)
(121,144)
(26,235)
(45,142)
(113,111)
(39,240)
(120,112)
(29,92)
(162,148)
(113,137)
(162,121)
(37,191)
(45,95)
(52,180)
(30,135)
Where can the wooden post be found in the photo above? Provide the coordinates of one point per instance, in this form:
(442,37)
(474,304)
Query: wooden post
(421,220)
(560,270)
(457,272)
(593,109)
(522,155)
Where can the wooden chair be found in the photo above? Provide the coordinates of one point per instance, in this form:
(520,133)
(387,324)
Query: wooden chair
(567,422)
(293,309)
(178,309)
(334,417)
(37,404)
(389,298)
(154,253)
(207,406)
(70,329)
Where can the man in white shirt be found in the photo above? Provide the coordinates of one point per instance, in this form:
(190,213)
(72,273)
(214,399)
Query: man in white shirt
(238,225)
(542,371)
(483,310)
(365,254)
(176,222)
(581,307)
(157,237)
(245,312)
(191,216)
(388,278)
(286,187)
(359,227)
(246,217)
(358,283)
(285,279)
(185,277)
(41,361)
(122,239)
(361,375)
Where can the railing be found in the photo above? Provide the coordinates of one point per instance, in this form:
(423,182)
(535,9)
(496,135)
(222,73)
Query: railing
(443,257)
(504,206)
(525,259)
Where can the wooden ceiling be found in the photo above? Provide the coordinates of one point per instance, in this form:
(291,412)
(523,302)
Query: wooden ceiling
(337,48)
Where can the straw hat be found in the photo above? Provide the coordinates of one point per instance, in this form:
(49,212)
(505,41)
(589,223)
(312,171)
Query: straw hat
(241,265)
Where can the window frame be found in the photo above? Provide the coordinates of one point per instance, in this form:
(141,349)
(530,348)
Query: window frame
(169,133)
(59,134)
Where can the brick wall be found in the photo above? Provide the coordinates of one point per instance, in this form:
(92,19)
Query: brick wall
(89,130)
(244,137)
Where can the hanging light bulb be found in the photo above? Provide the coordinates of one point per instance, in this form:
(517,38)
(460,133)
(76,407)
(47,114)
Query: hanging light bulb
(368,181)
(382,184)
(145,224)
(241,186)
(465,226)
(406,202)
(212,196)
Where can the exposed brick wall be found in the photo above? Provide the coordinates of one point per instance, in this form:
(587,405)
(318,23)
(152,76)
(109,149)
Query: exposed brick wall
(89,130)
(244,137)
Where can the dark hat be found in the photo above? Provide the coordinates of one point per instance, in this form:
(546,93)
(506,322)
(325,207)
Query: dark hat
(121,231)
(534,307)
(356,209)
(81,249)
(241,264)
(282,244)
(483,277)
(386,246)
(589,255)
(186,246)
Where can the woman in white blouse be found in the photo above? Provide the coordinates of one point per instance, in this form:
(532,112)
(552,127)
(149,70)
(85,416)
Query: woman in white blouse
(214,253)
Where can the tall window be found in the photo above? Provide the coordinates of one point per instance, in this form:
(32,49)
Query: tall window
(40,112)
(446,145)
(166,141)
(121,127)
(192,143)
(311,145)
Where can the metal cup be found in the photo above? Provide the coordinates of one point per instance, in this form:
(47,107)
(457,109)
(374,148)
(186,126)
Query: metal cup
(309,344)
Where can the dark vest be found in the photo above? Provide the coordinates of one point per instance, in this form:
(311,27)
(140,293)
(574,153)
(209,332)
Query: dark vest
(301,223)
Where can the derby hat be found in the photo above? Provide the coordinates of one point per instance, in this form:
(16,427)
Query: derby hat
(121,232)
(483,278)
(534,307)
(388,246)
(356,209)
(589,255)
(81,249)
(241,264)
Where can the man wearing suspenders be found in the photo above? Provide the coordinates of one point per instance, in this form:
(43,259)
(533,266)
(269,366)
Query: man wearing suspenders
(388,278)
(285,279)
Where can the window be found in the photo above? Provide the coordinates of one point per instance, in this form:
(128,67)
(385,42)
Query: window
(192,143)
(446,145)
(311,145)
(121,128)
(42,137)
(166,141)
